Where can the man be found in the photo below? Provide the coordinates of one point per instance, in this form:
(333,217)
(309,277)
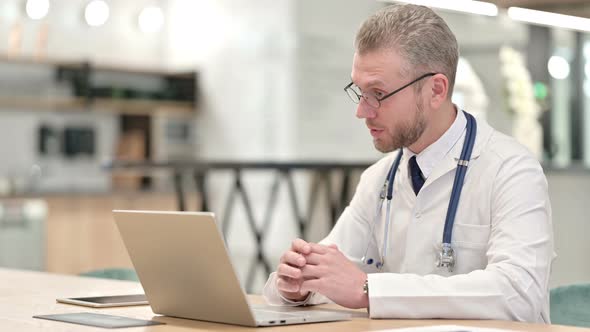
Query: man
(388,259)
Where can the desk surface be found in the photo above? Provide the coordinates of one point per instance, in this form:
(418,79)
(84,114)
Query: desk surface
(24,294)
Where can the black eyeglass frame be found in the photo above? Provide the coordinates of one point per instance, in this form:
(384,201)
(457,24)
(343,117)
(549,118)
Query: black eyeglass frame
(379,100)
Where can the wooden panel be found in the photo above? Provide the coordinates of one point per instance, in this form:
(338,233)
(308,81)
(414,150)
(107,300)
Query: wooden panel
(82,235)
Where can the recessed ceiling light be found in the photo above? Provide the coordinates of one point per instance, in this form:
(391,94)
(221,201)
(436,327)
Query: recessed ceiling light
(37,9)
(151,19)
(558,67)
(96,13)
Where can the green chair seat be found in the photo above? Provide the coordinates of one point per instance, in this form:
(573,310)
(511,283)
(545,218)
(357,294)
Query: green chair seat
(570,305)
(112,273)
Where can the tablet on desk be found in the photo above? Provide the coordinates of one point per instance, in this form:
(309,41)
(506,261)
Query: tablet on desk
(107,301)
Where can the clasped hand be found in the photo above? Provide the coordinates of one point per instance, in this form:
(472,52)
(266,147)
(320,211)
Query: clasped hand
(311,267)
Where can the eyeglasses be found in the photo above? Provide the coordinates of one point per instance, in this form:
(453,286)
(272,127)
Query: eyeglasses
(355,93)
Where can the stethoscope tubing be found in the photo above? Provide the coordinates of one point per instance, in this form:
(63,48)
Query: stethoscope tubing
(459,178)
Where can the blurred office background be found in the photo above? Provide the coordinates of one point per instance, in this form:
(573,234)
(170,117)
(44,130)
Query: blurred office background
(237,107)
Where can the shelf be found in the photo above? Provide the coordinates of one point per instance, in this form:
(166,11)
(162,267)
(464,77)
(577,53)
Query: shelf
(141,106)
(173,92)
(44,104)
(131,107)
(29,60)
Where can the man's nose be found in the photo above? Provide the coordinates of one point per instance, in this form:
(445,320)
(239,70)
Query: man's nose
(364,110)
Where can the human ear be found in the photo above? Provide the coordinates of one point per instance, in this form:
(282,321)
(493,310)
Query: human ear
(439,89)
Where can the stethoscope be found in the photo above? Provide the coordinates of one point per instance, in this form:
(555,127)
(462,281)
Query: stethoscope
(446,257)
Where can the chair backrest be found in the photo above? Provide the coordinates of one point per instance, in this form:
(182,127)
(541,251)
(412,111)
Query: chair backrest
(112,273)
(570,305)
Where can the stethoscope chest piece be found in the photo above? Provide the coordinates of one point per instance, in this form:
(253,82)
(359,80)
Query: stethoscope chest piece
(446,257)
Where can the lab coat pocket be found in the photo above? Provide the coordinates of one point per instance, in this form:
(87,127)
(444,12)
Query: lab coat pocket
(470,243)
(471,236)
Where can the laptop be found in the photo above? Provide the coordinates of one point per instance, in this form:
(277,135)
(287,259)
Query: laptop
(186,272)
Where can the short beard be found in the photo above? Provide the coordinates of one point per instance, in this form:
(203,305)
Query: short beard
(405,134)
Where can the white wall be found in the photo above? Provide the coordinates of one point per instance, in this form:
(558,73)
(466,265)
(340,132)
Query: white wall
(244,52)
(326,126)
(272,74)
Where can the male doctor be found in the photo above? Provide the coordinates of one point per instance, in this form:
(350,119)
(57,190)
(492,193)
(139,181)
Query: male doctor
(392,260)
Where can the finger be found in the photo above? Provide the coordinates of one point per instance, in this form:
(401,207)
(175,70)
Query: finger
(318,248)
(333,246)
(300,246)
(311,285)
(288,286)
(314,259)
(285,270)
(312,272)
(293,258)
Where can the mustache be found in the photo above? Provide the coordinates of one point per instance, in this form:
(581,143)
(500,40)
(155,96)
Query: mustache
(372,124)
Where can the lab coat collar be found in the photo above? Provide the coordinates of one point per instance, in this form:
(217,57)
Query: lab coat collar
(449,162)
(430,157)
(482,135)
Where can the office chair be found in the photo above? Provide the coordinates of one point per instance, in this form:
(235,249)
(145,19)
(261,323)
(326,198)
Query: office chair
(112,273)
(570,305)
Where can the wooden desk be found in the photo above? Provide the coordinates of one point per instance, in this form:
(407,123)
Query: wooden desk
(24,294)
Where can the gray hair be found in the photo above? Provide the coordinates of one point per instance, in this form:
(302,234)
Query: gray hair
(418,34)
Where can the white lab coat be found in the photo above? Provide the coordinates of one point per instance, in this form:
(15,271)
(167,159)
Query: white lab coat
(502,237)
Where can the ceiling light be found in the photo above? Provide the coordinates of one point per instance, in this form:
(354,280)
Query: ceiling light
(558,67)
(96,13)
(37,9)
(551,19)
(151,19)
(466,6)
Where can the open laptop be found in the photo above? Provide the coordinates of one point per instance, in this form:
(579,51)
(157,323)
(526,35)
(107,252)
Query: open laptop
(186,272)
